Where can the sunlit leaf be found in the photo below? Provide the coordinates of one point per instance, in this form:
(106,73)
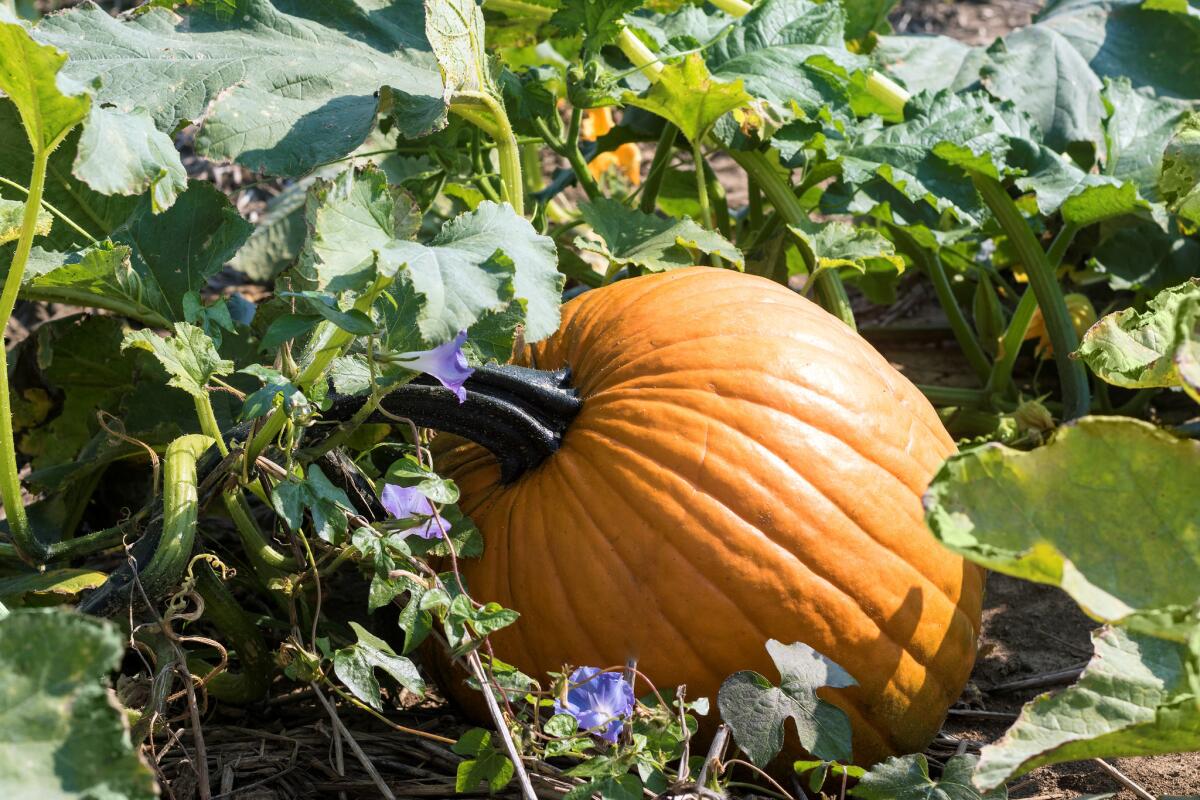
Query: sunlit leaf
(190,356)
(651,242)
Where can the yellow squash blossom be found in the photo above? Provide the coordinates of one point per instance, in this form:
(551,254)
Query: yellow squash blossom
(627,157)
(1083,316)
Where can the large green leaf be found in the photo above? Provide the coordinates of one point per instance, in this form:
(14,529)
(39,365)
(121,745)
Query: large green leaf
(791,54)
(688,96)
(480,262)
(756,711)
(279,87)
(1133,699)
(1108,511)
(651,242)
(1137,131)
(1141,350)
(1053,70)
(62,735)
(50,105)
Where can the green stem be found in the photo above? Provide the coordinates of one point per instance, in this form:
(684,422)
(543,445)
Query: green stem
(569,149)
(533,11)
(887,91)
(82,297)
(778,190)
(658,167)
(254,657)
(531,166)
(954,396)
(706,218)
(963,333)
(507,148)
(719,201)
(1044,283)
(327,343)
(481,178)
(1001,378)
(755,211)
(734,8)
(649,64)
(267,561)
(29,548)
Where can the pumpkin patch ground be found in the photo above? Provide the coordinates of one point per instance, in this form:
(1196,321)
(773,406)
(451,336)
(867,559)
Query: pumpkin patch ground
(791,399)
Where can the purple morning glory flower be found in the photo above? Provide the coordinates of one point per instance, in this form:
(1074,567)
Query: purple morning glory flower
(403,502)
(599,701)
(445,362)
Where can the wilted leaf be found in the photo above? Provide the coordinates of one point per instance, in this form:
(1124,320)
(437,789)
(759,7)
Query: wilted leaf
(652,242)
(279,91)
(60,585)
(62,734)
(756,711)
(355,666)
(12,217)
(1139,349)
(1093,512)
(1134,699)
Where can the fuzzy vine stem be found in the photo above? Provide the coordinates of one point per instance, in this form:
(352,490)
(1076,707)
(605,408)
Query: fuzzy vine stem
(933,267)
(1001,377)
(658,167)
(28,547)
(777,188)
(1044,284)
(508,150)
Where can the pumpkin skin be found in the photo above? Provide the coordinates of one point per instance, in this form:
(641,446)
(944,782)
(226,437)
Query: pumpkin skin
(745,467)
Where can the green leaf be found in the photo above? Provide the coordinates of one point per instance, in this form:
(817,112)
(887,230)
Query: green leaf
(1180,178)
(277,91)
(837,244)
(50,104)
(756,711)
(479,262)
(1136,133)
(351,219)
(189,356)
(454,29)
(1139,349)
(488,764)
(792,55)
(864,17)
(600,23)
(326,504)
(651,242)
(12,217)
(1133,699)
(355,666)
(689,97)
(145,159)
(326,307)
(907,778)
(80,358)
(62,733)
(1092,512)
(151,262)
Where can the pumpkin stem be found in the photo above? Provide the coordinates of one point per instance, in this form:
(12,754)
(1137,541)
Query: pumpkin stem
(517,413)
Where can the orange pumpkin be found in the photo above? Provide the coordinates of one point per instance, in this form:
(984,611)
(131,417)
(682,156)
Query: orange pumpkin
(744,467)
